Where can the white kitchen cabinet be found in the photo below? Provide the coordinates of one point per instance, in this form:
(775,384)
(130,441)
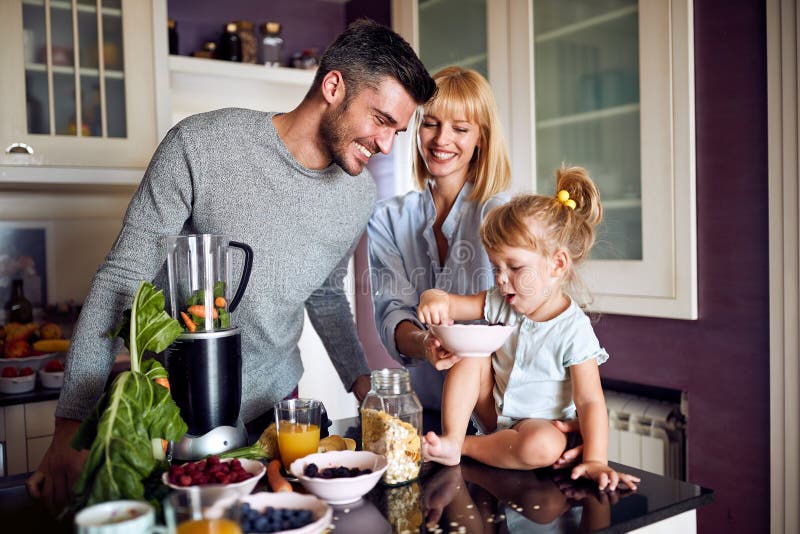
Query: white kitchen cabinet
(77,62)
(607,84)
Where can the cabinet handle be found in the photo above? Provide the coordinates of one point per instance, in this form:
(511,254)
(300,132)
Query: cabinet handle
(19,148)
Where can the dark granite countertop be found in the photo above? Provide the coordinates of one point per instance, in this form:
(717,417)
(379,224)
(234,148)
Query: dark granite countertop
(470,495)
(37,394)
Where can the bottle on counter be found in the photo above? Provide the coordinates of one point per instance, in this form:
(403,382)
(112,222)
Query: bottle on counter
(247,36)
(391,425)
(18,308)
(230,46)
(271,44)
(172,26)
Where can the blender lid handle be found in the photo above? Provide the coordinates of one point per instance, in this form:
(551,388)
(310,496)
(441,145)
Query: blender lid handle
(246,268)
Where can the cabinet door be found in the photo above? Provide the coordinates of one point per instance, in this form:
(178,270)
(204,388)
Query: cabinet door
(614,92)
(606,84)
(78,83)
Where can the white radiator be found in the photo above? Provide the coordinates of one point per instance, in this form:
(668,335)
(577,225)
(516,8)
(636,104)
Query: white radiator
(646,433)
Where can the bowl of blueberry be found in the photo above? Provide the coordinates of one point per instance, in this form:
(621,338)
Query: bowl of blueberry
(339,477)
(285,511)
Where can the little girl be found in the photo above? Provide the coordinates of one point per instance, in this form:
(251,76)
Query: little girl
(548,368)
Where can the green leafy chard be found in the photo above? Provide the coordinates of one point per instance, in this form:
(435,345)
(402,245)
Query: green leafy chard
(134,412)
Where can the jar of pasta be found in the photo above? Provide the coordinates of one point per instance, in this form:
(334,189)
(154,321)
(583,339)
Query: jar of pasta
(391,425)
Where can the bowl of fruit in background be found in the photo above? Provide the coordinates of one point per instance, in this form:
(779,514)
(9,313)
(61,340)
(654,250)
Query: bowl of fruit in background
(31,340)
(339,477)
(278,512)
(14,380)
(224,478)
(52,374)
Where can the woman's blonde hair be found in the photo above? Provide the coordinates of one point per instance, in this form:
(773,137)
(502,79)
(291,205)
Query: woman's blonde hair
(465,93)
(546,223)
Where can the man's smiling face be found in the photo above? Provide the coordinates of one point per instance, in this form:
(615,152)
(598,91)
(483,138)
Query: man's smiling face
(366,124)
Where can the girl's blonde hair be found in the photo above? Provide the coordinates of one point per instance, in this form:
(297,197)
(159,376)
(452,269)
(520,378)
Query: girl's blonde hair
(545,223)
(464,93)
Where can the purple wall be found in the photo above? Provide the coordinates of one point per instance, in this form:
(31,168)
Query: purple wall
(722,360)
(306,23)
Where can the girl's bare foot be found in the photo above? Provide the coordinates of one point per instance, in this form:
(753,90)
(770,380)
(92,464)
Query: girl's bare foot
(440,449)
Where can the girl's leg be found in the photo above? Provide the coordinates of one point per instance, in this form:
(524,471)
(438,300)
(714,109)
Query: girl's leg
(531,444)
(462,385)
(485,410)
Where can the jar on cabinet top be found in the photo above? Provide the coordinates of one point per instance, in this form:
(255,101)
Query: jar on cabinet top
(230,48)
(247,36)
(391,425)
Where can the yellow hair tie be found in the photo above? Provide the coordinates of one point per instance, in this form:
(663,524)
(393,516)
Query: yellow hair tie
(563,197)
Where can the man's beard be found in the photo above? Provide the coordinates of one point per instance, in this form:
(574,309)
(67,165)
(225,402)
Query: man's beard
(335,134)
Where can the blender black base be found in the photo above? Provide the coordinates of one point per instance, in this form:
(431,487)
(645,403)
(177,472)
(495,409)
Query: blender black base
(216,441)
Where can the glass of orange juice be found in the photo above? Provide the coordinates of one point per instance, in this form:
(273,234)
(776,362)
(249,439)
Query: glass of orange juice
(297,421)
(193,511)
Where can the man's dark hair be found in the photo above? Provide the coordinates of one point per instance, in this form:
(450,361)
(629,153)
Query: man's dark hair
(367,52)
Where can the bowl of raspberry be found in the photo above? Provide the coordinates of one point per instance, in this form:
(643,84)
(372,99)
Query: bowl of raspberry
(231,477)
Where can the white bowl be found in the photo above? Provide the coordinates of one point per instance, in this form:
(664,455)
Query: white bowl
(34,362)
(110,518)
(17,384)
(240,489)
(340,490)
(320,511)
(472,340)
(51,379)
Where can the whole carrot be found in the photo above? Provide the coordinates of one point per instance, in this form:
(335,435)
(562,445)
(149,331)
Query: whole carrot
(188,322)
(275,479)
(200,311)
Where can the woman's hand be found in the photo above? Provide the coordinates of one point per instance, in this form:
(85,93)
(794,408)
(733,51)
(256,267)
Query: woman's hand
(604,475)
(434,307)
(437,355)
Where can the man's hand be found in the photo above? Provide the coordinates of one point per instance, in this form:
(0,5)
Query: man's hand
(60,468)
(361,387)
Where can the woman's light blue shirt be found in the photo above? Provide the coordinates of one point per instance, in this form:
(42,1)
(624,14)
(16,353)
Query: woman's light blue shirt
(404,262)
(531,375)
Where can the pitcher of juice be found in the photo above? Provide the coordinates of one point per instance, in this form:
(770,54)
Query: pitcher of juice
(298,424)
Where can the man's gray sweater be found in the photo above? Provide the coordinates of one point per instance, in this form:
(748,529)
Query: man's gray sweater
(228,172)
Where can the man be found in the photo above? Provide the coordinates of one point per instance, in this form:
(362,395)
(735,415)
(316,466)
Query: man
(294,187)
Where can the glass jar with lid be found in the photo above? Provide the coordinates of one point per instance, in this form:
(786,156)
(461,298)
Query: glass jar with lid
(247,36)
(391,424)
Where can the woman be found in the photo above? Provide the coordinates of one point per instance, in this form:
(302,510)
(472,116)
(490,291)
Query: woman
(429,238)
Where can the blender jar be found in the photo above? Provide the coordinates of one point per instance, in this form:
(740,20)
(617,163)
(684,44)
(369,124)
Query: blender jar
(199,268)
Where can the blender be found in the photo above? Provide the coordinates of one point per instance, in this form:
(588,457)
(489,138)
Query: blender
(205,362)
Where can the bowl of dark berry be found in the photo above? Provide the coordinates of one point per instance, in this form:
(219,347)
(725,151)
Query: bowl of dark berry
(339,477)
(228,477)
(284,511)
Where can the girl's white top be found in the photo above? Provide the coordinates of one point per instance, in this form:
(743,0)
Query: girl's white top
(531,369)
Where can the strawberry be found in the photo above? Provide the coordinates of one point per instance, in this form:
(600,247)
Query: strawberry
(54,366)
(25,371)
